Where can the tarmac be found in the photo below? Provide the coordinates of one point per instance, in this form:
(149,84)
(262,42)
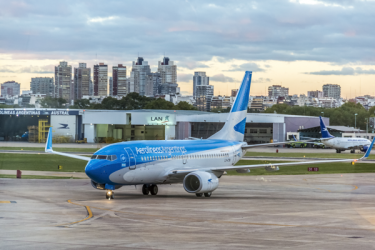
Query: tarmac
(246,212)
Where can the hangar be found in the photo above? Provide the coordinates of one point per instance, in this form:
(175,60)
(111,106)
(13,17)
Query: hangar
(106,126)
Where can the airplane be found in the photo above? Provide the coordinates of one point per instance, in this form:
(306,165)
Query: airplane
(341,143)
(197,164)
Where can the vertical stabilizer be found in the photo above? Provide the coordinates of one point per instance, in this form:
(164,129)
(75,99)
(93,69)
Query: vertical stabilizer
(234,127)
(324,130)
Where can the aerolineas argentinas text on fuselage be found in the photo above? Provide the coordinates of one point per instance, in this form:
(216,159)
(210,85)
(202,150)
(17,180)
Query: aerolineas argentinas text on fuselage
(198,164)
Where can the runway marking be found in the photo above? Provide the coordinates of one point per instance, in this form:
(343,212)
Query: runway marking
(225,222)
(89,216)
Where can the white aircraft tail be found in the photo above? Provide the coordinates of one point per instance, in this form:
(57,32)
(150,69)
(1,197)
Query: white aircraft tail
(234,127)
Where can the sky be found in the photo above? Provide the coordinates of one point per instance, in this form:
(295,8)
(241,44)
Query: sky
(299,44)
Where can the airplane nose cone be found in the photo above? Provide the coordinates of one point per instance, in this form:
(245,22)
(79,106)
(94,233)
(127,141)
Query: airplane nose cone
(93,170)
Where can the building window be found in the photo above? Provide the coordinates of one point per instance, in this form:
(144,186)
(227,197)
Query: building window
(262,131)
(253,131)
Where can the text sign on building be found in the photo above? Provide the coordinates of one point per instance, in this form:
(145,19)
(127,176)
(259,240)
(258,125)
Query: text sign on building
(151,118)
(313,169)
(38,112)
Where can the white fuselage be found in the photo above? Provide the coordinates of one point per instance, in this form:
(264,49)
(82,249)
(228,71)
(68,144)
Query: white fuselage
(346,143)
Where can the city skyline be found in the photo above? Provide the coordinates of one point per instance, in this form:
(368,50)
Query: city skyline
(327,44)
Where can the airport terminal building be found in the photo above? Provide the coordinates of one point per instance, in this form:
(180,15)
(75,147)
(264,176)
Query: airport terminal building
(104,126)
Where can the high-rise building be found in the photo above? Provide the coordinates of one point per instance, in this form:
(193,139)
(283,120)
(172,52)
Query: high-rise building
(82,78)
(332,90)
(277,91)
(42,85)
(152,84)
(234,92)
(168,88)
(63,78)
(10,88)
(119,86)
(138,76)
(315,94)
(111,86)
(168,71)
(100,79)
(199,78)
(204,94)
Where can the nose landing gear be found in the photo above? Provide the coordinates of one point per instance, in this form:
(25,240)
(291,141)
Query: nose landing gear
(153,189)
(109,195)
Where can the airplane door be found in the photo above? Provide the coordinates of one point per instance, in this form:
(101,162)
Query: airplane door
(131,157)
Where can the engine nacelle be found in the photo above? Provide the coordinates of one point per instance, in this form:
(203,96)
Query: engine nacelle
(200,182)
(364,148)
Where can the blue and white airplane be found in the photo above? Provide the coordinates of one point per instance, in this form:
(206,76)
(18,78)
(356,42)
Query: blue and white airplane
(341,143)
(197,164)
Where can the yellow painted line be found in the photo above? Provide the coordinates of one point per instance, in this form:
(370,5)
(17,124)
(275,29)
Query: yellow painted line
(89,216)
(4,201)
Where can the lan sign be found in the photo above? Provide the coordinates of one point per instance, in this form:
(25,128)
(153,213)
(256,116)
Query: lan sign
(160,119)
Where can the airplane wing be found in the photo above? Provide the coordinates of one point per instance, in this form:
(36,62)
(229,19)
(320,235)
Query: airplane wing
(270,144)
(274,165)
(48,149)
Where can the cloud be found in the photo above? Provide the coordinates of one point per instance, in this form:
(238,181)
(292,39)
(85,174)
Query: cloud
(190,31)
(48,69)
(345,71)
(221,78)
(191,65)
(246,67)
(102,19)
(184,77)
(261,80)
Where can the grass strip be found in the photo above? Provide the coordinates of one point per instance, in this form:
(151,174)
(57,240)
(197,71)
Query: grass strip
(36,177)
(325,168)
(83,150)
(309,155)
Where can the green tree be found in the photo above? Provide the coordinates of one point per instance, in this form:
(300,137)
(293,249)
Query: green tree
(81,104)
(160,104)
(50,102)
(184,106)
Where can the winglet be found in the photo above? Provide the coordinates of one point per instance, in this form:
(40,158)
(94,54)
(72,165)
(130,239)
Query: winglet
(49,141)
(368,150)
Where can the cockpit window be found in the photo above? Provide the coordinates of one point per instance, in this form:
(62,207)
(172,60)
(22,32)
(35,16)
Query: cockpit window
(104,157)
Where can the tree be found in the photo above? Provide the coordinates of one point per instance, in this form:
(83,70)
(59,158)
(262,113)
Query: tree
(50,102)
(184,106)
(160,104)
(81,104)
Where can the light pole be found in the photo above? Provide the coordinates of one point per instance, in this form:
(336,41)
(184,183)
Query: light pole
(322,113)
(366,126)
(355,120)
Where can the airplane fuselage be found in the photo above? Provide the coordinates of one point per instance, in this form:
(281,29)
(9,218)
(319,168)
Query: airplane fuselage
(152,162)
(346,143)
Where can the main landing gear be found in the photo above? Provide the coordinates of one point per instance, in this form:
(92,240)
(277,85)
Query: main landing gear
(205,194)
(153,189)
(109,195)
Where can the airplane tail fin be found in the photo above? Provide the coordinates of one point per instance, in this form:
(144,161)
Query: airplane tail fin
(324,130)
(234,127)
(48,147)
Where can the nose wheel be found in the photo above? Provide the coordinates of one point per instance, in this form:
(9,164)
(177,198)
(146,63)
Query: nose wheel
(109,195)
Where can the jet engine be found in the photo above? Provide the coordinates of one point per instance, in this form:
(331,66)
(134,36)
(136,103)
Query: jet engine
(364,148)
(200,182)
